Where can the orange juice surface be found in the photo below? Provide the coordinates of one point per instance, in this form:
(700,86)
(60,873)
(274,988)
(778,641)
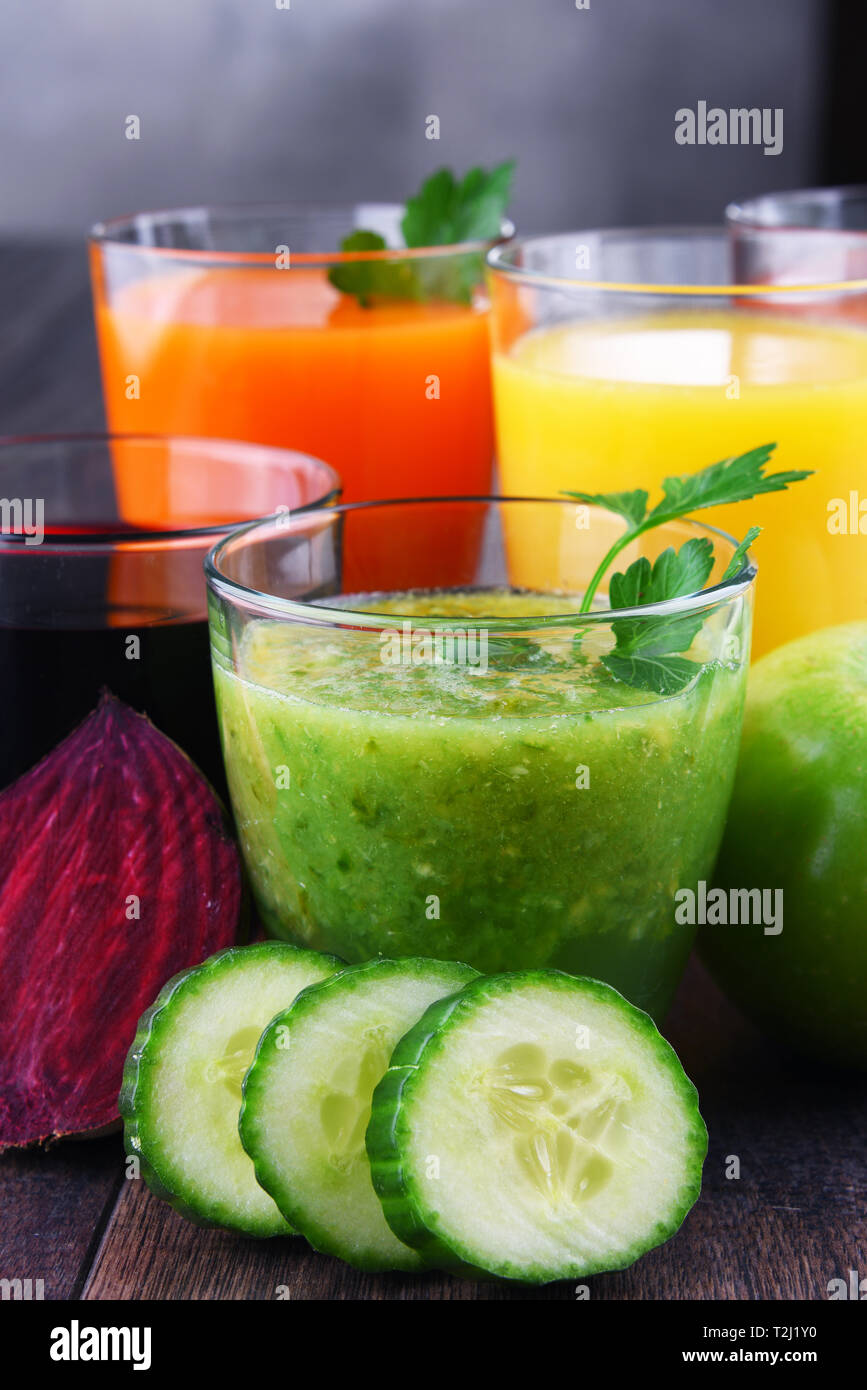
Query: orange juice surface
(395,397)
(625,402)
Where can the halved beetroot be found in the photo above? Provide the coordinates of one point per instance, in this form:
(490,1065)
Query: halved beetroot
(117,871)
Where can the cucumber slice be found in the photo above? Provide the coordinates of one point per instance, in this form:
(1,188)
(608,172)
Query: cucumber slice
(181,1089)
(318,1063)
(535,1126)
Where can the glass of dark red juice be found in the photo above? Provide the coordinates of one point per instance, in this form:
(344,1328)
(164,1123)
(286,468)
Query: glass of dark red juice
(102,541)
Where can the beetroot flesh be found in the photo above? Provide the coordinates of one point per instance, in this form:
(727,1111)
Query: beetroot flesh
(115,810)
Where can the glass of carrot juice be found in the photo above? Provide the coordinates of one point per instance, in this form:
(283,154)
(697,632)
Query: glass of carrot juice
(229,322)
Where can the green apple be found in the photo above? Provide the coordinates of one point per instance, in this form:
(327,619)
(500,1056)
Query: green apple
(798,821)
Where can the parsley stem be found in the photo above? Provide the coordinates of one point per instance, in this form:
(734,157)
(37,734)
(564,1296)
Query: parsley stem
(590,591)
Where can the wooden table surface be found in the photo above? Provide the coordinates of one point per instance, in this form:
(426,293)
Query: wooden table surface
(793,1220)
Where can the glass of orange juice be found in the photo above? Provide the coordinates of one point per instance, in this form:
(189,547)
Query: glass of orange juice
(623,357)
(226,322)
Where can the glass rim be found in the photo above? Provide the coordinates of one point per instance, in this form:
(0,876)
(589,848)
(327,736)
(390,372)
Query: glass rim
(743,213)
(233,590)
(498,263)
(106,233)
(93,541)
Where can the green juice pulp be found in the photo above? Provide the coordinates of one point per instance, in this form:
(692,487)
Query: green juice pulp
(534,813)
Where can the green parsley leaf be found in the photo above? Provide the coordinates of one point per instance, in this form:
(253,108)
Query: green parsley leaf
(371,280)
(735,479)
(658,635)
(643,650)
(673,574)
(632,506)
(664,675)
(444,212)
(643,645)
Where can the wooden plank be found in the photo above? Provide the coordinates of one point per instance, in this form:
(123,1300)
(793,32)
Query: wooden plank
(150,1252)
(731,1247)
(53,1206)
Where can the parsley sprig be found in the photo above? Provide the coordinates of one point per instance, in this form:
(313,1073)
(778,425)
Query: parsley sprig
(445,212)
(736,479)
(645,654)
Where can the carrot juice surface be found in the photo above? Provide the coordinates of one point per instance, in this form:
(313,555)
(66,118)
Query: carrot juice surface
(396,397)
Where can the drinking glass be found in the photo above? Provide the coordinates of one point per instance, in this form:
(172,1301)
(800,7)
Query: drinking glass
(809,235)
(624,357)
(462,769)
(249,322)
(95,594)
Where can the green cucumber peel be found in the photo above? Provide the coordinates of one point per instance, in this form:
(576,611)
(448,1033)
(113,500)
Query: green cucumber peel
(145,1134)
(313,1060)
(419,1207)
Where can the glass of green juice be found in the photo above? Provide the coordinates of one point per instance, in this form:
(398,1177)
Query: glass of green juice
(454,771)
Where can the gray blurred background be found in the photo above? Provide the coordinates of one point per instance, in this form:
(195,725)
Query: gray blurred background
(241,100)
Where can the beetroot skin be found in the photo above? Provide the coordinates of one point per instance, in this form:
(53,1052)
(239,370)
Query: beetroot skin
(116,816)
